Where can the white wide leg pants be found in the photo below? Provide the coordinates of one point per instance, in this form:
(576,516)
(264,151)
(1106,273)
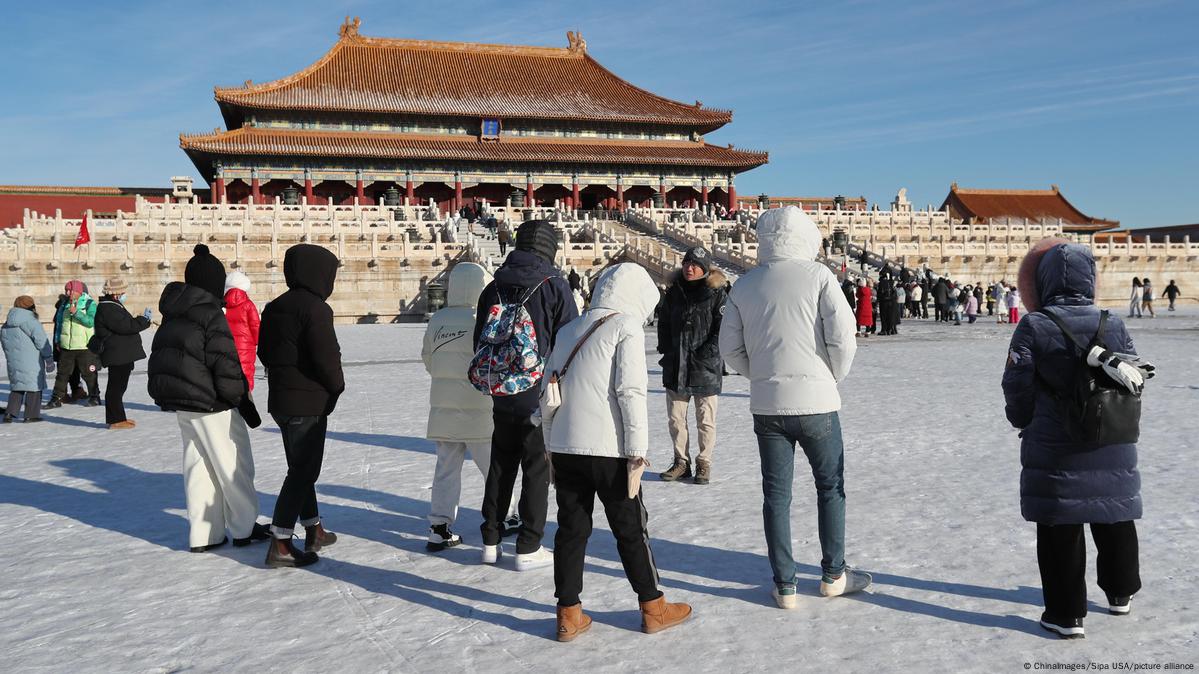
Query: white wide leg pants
(218,476)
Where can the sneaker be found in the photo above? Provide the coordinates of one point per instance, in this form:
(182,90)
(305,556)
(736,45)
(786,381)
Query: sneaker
(1066,628)
(492,554)
(440,538)
(850,581)
(1119,605)
(259,532)
(283,553)
(511,526)
(703,472)
(784,595)
(210,546)
(539,558)
(680,469)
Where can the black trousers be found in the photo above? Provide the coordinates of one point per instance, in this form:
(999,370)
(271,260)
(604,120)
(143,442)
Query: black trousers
(77,361)
(304,444)
(114,393)
(32,400)
(1062,556)
(924,307)
(577,481)
(503,247)
(516,447)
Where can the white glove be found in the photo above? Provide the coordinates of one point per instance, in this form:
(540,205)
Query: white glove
(1127,375)
(1145,367)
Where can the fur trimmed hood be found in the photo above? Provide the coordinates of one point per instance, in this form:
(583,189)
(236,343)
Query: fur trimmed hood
(715,278)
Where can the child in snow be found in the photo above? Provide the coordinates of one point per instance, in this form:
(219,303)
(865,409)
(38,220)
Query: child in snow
(120,336)
(1012,300)
(972,308)
(243,321)
(29,356)
(597,441)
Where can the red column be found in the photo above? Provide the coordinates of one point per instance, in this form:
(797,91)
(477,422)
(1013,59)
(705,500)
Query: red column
(662,191)
(457,194)
(255,195)
(308,189)
(529,194)
(409,192)
(620,196)
(732,196)
(218,191)
(574,194)
(703,195)
(358,191)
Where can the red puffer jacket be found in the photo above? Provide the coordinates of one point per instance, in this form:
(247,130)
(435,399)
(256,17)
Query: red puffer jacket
(243,323)
(865,309)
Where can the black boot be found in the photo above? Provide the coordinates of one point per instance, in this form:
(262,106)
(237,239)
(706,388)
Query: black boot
(55,402)
(283,554)
(213,546)
(260,532)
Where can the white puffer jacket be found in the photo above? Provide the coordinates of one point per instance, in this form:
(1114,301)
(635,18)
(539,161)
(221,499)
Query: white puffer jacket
(603,410)
(787,326)
(457,412)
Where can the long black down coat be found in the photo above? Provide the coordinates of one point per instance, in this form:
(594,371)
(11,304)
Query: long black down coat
(1063,481)
(193,361)
(689,334)
(121,333)
(296,341)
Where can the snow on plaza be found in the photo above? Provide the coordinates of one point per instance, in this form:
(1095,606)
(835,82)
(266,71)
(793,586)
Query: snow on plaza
(97,576)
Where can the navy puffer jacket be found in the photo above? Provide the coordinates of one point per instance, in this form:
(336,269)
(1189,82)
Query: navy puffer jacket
(1063,481)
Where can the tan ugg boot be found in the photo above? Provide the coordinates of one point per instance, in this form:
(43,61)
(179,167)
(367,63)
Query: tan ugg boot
(657,615)
(572,622)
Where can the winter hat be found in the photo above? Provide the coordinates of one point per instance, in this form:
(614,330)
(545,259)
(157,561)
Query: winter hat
(205,271)
(115,286)
(24,302)
(700,257)
(239,280)
(75,285)
(538,237)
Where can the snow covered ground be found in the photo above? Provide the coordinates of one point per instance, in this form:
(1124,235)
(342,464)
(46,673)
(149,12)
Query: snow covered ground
(96,575)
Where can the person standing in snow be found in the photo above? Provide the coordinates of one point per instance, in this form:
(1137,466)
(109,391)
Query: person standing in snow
(1134,303)
(119,334)
(1172,293)
(972,307)
(941,299)
(688,339)
(459,415)
(850,291)
(1013,305)
(1065,483)
(865,312)
(244,321)
(517,442)
(74,325)
(598,439)
(1147,303)
(28,356)
(298,347)
(194,372)
(787,330)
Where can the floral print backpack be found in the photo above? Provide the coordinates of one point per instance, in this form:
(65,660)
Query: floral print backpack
(507,361)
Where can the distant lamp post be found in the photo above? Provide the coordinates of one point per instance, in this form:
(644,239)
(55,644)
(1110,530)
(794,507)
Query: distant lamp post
(391,197)
(839,202)
(291,195)
(763,201)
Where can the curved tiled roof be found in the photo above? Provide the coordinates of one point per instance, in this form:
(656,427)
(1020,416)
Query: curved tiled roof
(379,75)
(1032,204)
(292,142)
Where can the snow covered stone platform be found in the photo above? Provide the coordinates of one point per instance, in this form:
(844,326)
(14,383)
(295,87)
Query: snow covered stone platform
(96,575)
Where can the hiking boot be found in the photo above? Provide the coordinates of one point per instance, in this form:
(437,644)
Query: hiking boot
(784,595)
(121,425)
(315,538)
(54,403)
(511,526)
(282,553)
(850,581)
(210,546)
(538,559)
(260,532)
(1066,628)
(657,615)
(572,622)
(703,472)
(680,469)
(491,554)
(440,538)
(1119,605)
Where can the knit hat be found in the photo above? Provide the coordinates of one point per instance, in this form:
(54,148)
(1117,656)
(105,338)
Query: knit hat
(115,286)
(75,285)
(205,271)
(24,302)
(538,237)
(700,257)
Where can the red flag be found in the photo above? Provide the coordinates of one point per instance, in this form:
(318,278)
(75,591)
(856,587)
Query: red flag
(83,236)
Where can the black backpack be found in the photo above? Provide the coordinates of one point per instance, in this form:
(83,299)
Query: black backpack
(1097,409)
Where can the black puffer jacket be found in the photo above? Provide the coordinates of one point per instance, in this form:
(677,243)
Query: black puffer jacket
(297,343)
(120,332)
(689,334)
(193,360)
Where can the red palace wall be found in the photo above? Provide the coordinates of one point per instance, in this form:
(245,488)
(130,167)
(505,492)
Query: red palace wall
(14,203)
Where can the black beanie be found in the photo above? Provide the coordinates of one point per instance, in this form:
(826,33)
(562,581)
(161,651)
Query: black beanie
(700,257)
(205,271)
(538,237)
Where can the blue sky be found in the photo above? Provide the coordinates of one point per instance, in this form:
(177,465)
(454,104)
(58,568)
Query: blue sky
(855,98)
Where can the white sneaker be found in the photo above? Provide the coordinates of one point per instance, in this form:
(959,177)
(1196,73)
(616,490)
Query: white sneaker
(851,581)
(491,554)
(784,595)
(534,560)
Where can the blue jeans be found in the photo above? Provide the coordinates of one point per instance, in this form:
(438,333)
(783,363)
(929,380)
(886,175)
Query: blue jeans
(820,437)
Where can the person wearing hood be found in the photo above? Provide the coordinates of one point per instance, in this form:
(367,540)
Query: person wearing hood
(865,309)
(298,347)
(119,337)
(194,372)
(1065,483)
(244,321)
(850,290)
(598,439)
(459,415)
(517,442)
(941,292)
(688,339)
(787,329)
(887,307)
(74,325)
(28,355)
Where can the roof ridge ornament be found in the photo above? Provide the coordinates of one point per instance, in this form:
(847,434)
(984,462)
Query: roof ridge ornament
(348,28)
(577,44)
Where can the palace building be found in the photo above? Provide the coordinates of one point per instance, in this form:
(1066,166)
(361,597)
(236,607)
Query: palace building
(975,206)
(382,120)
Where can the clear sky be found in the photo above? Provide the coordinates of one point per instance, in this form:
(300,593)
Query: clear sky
(854,98)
